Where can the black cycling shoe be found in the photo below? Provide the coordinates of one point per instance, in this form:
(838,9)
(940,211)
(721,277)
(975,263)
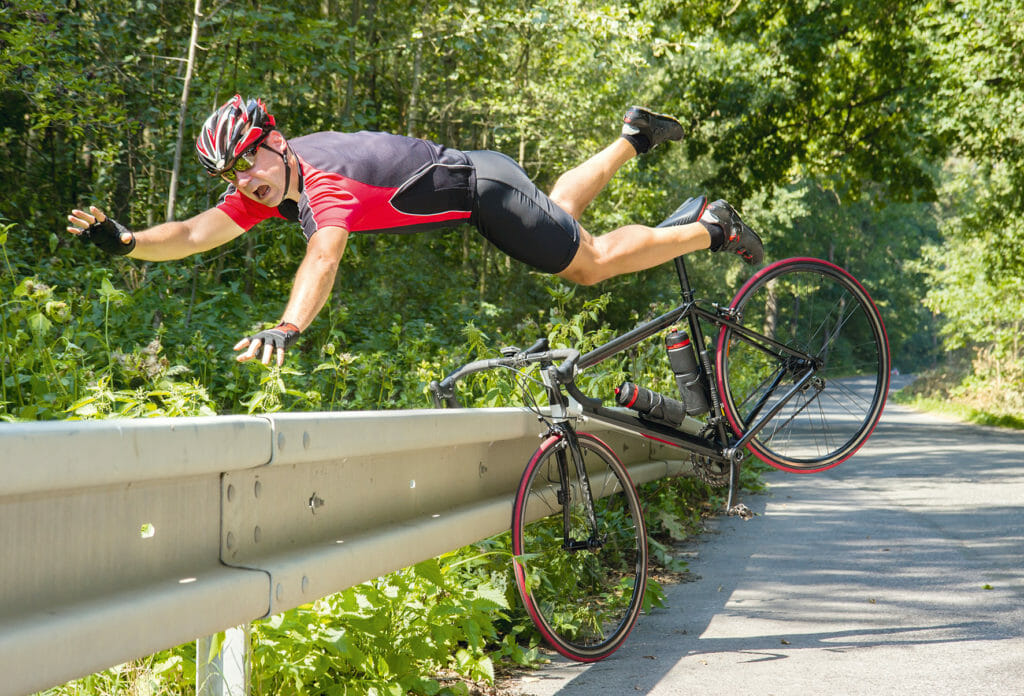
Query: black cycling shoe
(645,129)
(737,237)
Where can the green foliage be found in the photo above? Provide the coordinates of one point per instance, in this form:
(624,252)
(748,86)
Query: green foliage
(975,280)
(387,635)
(974,274)
(57,359)
(815,118)
(167,672)
(857,132)
(673,513)
(990,414)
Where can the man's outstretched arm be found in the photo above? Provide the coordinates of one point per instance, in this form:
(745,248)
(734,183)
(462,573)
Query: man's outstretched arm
(164,242)
(312,286)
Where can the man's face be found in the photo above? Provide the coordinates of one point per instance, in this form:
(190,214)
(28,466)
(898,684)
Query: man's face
(264,181)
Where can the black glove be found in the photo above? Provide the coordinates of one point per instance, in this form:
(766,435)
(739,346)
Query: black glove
(107,236)
(284,335)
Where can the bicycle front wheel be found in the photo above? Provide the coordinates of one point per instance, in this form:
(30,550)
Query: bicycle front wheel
(823,324)
(581,576)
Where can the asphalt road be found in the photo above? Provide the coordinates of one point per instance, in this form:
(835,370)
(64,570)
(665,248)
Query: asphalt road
(899,572)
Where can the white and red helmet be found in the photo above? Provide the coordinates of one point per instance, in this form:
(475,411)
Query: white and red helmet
(232,129)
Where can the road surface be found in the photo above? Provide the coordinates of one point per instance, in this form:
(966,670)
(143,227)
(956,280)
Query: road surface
(899,572)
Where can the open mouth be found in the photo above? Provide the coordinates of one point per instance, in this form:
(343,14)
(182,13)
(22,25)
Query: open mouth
(262,192)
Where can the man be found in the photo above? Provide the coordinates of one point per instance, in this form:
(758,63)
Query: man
(335,184)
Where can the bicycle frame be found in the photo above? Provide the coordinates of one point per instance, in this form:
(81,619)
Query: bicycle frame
(559,476)
(716,443)
(694,315)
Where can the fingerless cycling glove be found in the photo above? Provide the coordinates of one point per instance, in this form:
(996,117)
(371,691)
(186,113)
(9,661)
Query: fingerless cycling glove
(107,236)
(284,335)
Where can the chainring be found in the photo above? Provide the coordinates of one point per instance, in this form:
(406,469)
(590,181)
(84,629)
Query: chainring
(712,473)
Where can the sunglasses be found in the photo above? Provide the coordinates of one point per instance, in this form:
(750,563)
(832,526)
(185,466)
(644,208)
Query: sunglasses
(244,163)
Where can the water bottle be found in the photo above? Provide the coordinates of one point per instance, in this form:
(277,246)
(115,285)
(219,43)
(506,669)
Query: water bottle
(684,366)
(651,404)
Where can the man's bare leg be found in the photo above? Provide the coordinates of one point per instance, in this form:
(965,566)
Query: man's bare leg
(641,130)
(637,247)
(575,189)
(694,225)
(632,248)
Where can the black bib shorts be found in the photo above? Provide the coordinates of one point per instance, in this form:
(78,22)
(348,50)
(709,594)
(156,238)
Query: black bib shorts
(519,218)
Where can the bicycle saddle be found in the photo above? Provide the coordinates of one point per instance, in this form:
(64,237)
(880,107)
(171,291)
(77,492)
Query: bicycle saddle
(688,212)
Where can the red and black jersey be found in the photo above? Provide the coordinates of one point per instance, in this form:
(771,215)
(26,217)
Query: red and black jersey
(378,182)
(370,182)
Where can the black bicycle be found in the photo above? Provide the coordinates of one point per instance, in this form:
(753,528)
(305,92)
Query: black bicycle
(797,374)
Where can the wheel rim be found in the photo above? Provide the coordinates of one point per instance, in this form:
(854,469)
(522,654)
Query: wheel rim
(822,311)
(584,602)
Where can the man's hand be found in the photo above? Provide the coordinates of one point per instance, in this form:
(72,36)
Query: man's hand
(106,233)
(277,339)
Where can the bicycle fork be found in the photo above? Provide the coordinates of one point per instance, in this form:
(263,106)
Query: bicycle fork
(568,441)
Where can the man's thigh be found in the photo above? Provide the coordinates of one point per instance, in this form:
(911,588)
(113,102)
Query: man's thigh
(519,218)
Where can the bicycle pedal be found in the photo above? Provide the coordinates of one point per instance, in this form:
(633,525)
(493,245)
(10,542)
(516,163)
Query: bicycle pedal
(741,511)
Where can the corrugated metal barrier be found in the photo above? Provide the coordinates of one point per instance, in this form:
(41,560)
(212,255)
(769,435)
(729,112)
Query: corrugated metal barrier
(125,537)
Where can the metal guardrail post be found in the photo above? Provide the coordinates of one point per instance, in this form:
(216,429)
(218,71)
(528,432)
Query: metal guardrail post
(227,671)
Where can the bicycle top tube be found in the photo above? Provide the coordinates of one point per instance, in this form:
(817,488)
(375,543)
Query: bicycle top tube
(630,338)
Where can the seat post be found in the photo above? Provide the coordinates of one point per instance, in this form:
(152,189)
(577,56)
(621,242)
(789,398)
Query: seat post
(684,279)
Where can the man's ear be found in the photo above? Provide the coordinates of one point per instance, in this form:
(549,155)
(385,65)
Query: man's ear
(275,139)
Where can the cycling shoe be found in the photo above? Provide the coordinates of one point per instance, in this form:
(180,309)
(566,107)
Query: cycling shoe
(737,237)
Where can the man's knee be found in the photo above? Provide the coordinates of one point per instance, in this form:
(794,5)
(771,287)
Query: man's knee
(586,266)
(581,274)
(565,203)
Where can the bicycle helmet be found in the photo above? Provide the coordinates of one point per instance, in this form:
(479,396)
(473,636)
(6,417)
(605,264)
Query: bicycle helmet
(232,129)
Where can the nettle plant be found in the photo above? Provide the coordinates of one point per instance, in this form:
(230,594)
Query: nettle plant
(57,359)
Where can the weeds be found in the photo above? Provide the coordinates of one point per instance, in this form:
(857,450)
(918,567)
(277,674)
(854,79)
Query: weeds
(92,351)
(981,390)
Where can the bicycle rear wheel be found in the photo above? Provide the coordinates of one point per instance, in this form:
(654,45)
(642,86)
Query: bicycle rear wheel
(819,310)
(584,600)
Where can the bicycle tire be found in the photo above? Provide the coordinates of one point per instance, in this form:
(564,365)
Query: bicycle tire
(583,602)
(816,307)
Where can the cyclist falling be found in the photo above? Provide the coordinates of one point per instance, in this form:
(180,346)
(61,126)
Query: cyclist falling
(335,184)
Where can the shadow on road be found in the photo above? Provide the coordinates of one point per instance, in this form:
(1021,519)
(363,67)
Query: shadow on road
(911,547)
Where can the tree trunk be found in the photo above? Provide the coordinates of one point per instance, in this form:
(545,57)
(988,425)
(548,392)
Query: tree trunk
(350,81)
(150,169)
(414,95)
(374,41)
(173,193)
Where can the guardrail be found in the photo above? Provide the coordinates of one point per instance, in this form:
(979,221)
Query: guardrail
(123,538)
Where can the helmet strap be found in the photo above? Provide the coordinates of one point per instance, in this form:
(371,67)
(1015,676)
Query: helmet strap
(287,169)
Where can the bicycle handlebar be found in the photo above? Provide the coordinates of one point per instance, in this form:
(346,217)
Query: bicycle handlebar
(443,393)
(538,345)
